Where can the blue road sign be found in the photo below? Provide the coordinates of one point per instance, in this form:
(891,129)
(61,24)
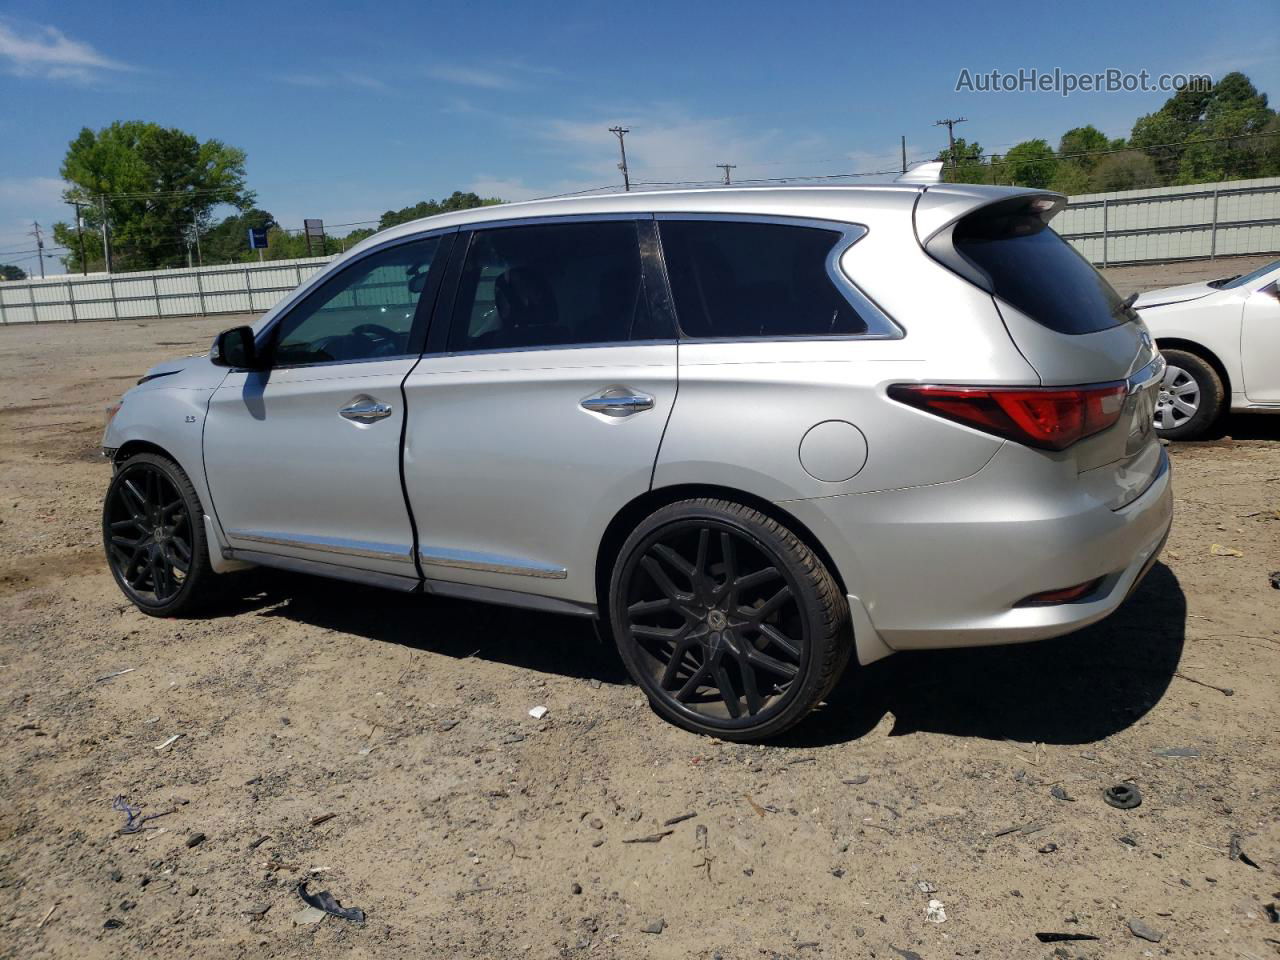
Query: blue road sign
(257,238)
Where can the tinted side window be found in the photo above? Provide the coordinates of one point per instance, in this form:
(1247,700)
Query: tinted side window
(738,279)
(1037,271)
(550,285)
(365,312)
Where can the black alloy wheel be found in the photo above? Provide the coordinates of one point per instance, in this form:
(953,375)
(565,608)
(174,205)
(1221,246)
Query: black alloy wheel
(153,533)
(730,624)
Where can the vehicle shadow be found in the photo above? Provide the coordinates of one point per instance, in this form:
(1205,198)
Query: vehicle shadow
(531,640)
(1075,689)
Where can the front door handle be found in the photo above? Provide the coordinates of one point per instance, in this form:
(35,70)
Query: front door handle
(366,410)
(618,402)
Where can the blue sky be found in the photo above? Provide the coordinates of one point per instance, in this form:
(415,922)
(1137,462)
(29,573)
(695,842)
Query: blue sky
(348,109)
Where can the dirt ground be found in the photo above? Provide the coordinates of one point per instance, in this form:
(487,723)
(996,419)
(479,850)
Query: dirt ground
(464,828)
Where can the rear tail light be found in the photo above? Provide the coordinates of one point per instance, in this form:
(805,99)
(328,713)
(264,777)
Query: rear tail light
(1051,418)
(1064,595)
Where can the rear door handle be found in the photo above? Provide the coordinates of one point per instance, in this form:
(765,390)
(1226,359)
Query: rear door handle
(366,410)
(618,402)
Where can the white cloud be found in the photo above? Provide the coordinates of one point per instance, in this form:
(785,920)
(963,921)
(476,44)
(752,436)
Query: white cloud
(471,76)
(44,51)
(332,80)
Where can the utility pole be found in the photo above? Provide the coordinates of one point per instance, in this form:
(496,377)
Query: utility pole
(84,265)
(951,137)
(904,153)
(726,167)
(106,242)
(195,228)
(621,132)
(35,232)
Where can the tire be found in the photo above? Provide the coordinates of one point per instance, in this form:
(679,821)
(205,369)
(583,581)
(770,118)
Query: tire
(1201,390)
(730,624)
(153,527)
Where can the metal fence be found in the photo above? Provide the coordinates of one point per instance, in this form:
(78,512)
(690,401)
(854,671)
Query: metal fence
(236,288)
(1163,224)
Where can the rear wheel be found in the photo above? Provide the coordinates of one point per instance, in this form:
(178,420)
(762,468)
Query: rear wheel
(731,625)
(153,530)
(1191,396)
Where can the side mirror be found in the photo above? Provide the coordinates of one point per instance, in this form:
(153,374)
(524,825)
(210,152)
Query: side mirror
(235,348)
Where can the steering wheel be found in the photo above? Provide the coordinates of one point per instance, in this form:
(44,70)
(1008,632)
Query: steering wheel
(375,331)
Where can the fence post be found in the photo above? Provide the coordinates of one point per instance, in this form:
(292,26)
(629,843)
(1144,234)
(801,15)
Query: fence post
(155,290)
(1105,207)
(3,319)
(248,288)
(71,299)
(200,293)
(111,292)
(1213,230)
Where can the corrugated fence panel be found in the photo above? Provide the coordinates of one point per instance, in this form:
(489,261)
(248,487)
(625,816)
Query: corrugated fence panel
(234,288)
(1175,223)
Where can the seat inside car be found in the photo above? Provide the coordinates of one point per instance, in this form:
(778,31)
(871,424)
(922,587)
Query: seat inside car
(526,305)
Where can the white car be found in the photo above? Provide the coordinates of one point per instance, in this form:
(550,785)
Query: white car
(1222,341)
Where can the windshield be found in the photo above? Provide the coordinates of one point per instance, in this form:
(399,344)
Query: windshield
(1248,277)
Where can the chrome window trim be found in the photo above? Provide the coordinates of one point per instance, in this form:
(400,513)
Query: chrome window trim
(880,326)
(320,276)
(612,344)
(489,563)
(347,548)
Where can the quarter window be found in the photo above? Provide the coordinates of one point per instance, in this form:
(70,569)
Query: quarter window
(745,279)
(550,285)
(365,312)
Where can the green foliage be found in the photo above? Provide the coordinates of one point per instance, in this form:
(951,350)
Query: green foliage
(161,185)
(228,241)
(429,208)
(1031,163)
(1081,145)
(9,272)
(1130,170)
(1197,136)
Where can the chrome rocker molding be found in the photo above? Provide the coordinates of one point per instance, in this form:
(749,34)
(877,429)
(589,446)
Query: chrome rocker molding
(489,563)
(345,548)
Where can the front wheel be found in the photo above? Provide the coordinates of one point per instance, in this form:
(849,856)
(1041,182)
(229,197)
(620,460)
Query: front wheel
(730,624)
(1191,397)
(153,531)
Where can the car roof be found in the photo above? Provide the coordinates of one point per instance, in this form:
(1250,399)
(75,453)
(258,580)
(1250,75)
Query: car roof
(811,202)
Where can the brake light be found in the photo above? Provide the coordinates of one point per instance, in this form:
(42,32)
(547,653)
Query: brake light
(1051,598)
(1051,418)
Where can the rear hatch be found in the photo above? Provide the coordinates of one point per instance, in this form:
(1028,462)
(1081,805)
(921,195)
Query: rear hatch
(1069,323)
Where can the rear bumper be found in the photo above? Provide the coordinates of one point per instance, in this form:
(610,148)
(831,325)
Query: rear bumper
(946,565)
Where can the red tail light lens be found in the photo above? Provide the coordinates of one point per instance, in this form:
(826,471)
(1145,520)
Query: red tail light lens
(1064,595)
(1051,418)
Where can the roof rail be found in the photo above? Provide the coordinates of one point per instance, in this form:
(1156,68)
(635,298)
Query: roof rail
(928,171)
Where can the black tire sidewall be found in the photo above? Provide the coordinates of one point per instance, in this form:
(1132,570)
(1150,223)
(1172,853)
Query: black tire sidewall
(810,684)
(199,568)
(1212,395)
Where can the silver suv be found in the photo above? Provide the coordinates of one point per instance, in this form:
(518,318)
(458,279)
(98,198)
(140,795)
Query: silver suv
(751,430)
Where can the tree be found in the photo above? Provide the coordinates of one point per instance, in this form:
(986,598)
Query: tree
(1031,164)
(1188,137)
(9,272)
(228,241)
(969,167)
(429,208)
(1081,145)
(159,185)
(1130,170)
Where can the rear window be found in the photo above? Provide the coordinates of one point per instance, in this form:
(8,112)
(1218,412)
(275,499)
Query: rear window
(1031,267)
(742,279)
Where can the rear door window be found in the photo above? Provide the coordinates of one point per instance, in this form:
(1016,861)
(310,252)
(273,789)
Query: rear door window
(1028,265)
(549,285)
(743,279)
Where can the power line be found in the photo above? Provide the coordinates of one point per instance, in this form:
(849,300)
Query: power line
(726,167)
(35,232)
